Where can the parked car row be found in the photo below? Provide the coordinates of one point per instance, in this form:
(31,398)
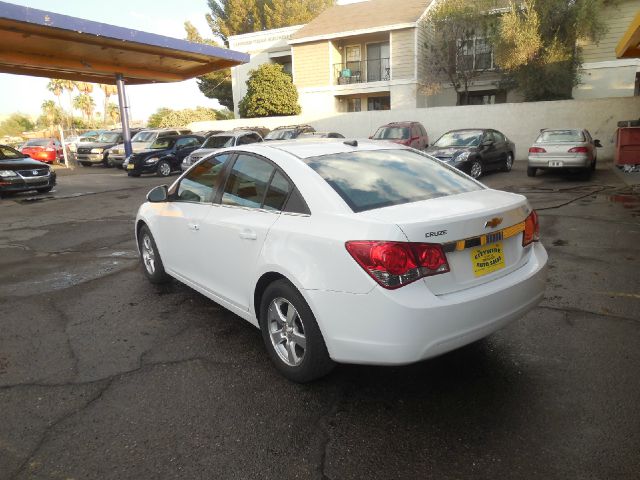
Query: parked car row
(20,173)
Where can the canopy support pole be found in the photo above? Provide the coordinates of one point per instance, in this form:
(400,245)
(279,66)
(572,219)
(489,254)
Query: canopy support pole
(124,115)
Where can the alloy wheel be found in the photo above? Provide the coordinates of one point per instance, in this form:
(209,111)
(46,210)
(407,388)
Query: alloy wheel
(508,164)
(164,169)
(148,255)
(286,331)
(476,169)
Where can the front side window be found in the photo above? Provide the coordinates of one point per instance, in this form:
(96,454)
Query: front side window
(367,180)
(162,144)
(247,182)
(199,185)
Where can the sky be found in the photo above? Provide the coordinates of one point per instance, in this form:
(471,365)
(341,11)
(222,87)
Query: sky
(26,94)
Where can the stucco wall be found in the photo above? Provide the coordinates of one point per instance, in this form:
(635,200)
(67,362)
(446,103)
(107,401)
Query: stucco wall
(521,122)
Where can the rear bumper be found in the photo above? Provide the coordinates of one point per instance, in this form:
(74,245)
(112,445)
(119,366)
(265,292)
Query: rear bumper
(395,327)
(578,161)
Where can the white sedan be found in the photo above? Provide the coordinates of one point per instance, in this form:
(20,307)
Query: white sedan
(346,251)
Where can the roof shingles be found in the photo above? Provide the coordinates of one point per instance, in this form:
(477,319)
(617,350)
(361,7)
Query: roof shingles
(366,15)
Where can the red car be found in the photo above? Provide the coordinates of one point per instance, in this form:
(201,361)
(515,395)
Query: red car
(411,134)
(47,150)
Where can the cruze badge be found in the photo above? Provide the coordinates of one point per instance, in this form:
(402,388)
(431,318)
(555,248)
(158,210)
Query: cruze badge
(435,234)
(493,223)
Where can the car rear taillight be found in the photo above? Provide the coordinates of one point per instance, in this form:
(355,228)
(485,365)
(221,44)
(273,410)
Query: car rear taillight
(531,229)
(537,150)
(579,150)
(50,149)
(395,264)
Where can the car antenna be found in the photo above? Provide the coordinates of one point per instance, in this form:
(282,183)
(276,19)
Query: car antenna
(351,143)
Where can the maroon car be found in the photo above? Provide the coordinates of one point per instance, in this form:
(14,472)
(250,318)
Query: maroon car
(411,134)
(47,150)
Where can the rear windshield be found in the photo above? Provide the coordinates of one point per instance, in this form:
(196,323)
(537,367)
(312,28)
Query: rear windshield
(460,138)
(144,137)
(280,135)
(218,142)
(553,136)
(392,133)
(381,178)
(37,142)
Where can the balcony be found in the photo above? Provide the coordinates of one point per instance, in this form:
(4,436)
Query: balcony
(372,70)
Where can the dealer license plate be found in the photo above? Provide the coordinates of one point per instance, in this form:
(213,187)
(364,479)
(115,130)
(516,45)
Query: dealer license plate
(555,164)
(487,259)
(130,166)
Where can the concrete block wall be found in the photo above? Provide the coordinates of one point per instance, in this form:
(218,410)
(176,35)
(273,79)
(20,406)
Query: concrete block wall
(521,122)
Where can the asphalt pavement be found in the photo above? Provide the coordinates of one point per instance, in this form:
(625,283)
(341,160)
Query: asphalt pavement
(104,376)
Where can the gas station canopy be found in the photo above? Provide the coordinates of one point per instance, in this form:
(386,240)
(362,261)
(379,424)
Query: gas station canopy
(45,44)
(629,44)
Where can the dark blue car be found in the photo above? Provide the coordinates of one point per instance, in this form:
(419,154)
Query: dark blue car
(163,156)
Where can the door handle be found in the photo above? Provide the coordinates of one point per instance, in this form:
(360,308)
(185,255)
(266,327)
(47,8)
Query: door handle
(248,235)
(194,226)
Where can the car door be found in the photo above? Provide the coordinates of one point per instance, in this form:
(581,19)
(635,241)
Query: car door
(488,152)
(236,228)
(501,149)
(176,227)
(184,146)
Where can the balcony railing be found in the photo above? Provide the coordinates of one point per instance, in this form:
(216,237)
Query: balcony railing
(372,70)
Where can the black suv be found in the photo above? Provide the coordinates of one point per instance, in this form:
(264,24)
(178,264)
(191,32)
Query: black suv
(97,152)
(288,133)
(163,156)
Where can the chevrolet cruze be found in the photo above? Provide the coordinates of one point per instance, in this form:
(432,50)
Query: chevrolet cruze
(346,251)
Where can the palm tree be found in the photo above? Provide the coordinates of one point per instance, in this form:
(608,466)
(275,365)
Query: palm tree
(84,87)
(50,112)
(84,102)
(56,86)
(108,90)
(113,112)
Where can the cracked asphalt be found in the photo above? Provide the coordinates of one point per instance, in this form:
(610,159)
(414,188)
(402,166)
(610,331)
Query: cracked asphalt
(104,376)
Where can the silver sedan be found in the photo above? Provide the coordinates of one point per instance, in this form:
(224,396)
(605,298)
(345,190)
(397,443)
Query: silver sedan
(571,149)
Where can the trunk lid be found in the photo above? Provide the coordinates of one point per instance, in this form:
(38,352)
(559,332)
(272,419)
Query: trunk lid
(488,252)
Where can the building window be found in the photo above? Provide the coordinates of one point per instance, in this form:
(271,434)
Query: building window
(354,105)
(379,103)
(476,54)
(482,97)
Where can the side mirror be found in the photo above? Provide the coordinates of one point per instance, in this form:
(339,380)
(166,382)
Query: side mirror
(597,143)
(370,137)
(158,194)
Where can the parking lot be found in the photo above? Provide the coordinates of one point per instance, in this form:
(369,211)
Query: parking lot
(103,375)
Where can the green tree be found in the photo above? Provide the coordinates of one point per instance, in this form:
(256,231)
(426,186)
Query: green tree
(108,91)
(284,13)
(113,113)
(270,92)
(51,114)
(15,124)
(457,29)
(166,117)
(537,43)
(156,118)
(85,103)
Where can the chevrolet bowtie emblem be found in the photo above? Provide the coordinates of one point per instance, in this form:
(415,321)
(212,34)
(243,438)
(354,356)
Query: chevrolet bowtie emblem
(493,223)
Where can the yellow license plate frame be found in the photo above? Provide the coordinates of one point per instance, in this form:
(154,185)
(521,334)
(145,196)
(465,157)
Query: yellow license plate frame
(487,259)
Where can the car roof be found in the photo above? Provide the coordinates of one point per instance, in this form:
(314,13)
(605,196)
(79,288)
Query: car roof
(399,124)
(233,133)
(316,147)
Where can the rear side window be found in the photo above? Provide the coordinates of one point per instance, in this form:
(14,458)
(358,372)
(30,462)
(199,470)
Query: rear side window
(277,193)
(247,182)
(381,178)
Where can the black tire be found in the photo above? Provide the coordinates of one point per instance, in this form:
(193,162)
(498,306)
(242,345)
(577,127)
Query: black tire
(508,162)
(154,271)
(133,174)
(163,169)
(593,165)
(85,164)
(45,189)
(586,173)
(315,361)
(531,171)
